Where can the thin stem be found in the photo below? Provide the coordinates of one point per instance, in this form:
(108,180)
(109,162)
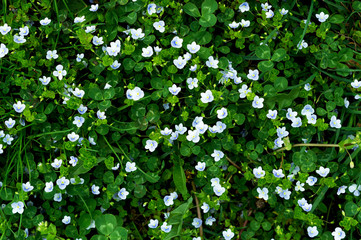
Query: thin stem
(313,145)
(198,209)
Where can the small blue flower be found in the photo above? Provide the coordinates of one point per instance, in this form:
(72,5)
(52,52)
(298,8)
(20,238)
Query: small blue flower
(197,222)
(176,42)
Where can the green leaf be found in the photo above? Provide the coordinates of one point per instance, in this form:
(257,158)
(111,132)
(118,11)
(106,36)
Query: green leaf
(351,209)
(109,93)
(131,18)
(6,194)
(179,178)
(84,221)
(208,20)
(95,93)
(102,129)
(128,64)
(337,18)
(209,6)
(265,66)
(140,191)
(106,223)
(119,233)
(192,10)
(279,55)
(356,5)
(280,84)
(71,231)
(306,160)
(176,219)
(98,237)
(263,52)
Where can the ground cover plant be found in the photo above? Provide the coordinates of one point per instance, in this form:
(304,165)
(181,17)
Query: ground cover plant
(137,119)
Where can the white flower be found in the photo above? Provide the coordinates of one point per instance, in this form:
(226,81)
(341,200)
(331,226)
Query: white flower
(346,102)
(3,50)
(323,172)
(296,122)
(151,8)
(356,84)
(17,207)
(62,183)
(244,7)
(49,187)
(97,40)
(233,25)
(19,107)
(263,193)
(257,102)
(218,190)
(66,220)
(217,155)
(193,68)
(73,137)
(338,234)
(200,166)
(159,26)
(73,161)
(45,80)
(302,44)
(207,97)
(5,29)
(101,115)
(57,197)
(269,14)
(259,172)
(245,23)
(147,52)
(78,121)
(59,72)
(193,47)
(299,186)
(166,228)
(57,163)
(312,231)
(130,167)
(243,91)
(272,114)
(212,62)
(335,123)
(283,11)
(253,74)
(151,145)
(192,83)
(157,49)
(222,113)
(94,8)
(52,54)
(78,93)
(135,94)
(176,42)
(136,34)
(322,17)
(24,31)
(193,136)
(95,189)
(153,223)
(228,234)
(45,21)
(205,207)
(174,89)
(27,187)
(90,29)
(19,39)
(79,19)
(266,7)
(180,62)
(10,123)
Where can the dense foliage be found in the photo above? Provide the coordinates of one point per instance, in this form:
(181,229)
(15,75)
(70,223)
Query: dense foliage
(134,119)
